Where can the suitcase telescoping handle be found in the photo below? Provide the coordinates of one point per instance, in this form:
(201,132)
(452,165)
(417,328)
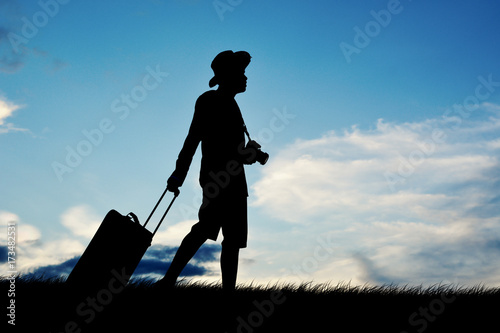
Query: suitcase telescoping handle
(165,214)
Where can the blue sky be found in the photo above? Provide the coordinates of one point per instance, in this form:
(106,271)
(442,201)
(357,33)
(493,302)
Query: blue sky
(382,120)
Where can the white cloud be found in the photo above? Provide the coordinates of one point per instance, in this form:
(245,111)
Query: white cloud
(7,108)
(81,221)
(25,233)
(6,217)
(31,250)
(412,202)
(48,253)
(174,234)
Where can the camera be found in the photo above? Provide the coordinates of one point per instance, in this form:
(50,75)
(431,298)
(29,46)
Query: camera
(260,156)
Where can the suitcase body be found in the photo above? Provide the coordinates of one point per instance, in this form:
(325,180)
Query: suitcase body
(114,252)
(116,249)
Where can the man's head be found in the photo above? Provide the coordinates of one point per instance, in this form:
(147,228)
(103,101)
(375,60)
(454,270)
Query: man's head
(229,70)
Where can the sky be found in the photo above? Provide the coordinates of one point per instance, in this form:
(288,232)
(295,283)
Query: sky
(381,118)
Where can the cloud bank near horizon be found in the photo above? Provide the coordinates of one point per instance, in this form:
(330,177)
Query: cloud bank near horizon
(405,203)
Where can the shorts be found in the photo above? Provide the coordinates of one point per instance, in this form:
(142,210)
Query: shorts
(228,213)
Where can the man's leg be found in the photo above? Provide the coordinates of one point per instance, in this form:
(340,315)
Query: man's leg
(229,266)
(234,230)
(188,248)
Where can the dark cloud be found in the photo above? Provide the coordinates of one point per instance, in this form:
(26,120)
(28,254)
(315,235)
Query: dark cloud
(459,260)
(3,254)
(57,65)
(55,270)
(155,261)
(10,66)
(493,246)
(153,266)
(160,252)
(373,273)
(15,49)
(10,62)
(158,258)
(207,253)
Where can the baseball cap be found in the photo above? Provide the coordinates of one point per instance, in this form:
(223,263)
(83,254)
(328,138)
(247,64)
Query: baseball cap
(228,62)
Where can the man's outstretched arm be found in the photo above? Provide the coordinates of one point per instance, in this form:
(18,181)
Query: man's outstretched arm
(187,152)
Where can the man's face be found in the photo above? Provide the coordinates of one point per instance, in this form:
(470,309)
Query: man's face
(236,82)
(241,82)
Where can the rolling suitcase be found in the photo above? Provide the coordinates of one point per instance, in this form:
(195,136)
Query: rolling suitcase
(114,252)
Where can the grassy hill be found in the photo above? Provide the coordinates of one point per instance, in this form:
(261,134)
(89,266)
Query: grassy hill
(50,306)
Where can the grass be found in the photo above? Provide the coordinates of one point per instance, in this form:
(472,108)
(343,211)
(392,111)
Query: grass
(48,305)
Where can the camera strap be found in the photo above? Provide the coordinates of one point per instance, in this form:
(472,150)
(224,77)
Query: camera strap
(244,125)
(246,132)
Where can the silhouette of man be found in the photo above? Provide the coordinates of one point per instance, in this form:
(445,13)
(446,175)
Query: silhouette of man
(218,124)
